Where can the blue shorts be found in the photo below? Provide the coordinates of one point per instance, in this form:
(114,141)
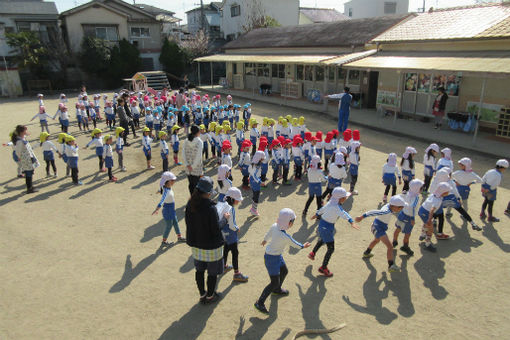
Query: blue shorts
(175,147)
(64,158)
(108,162)
(334,182)
(65,122)
(463,191)
(389,179)
(353,169)
(72,162)
(328,153)
(314,189)
(264,167)
(99,151)
(404,223)
(168,211)
(149,124)
(326,231)
(147,153)
(379,228)
(491,194)
(428,171)
(450,201)
(48,155)
(407,175)
(273,264)
(424,214)
(157,127)
(298,161)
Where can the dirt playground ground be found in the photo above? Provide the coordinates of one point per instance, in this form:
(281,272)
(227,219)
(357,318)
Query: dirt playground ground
(83,262)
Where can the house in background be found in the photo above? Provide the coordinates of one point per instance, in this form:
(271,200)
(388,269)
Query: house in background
(170,24)
(207,18)
(238,13)
(309,15)
(18,16)
(357,9)
(113,20)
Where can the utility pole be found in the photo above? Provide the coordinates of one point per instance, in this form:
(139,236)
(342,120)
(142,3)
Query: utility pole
(202,16)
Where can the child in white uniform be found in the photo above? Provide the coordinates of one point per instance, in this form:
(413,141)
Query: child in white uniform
(408,167)
(406,218)
(389,176)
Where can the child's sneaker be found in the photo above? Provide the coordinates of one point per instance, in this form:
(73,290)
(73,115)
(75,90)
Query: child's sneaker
(354,192)
(181,239)
(282,292)
(178,163)
(431,248)
(150,167)
(48,175)
(393,268)
(55,175)
(482,215)
(422,236)
(325,271)
(113,179)
(123,169)
(395,244)
(385,199)
(367,255)
(165,244)
(311,256)
(475,226)
(102,170)
(227,268)
(239,277)
(261,308)
(442,236)
(407,250)
(493,219)
(254,212)
(287,183)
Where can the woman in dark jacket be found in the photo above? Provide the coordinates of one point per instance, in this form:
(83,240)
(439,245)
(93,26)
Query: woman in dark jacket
(439,107)
(204,236)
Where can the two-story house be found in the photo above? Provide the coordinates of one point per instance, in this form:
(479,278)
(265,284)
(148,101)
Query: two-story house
(357,9)
(207,18)
(238,14)
(18,16)
(113,20)
(170,27)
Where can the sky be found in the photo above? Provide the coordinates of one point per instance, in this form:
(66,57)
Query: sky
(181,6)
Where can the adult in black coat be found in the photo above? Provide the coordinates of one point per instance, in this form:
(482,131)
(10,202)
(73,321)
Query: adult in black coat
(125,96)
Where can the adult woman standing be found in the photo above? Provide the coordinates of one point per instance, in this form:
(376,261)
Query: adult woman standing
(204,236)
(439,107)
(26,155)
(192,157)
(123,119)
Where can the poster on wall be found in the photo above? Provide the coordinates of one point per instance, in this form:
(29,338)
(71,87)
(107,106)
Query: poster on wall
(450,82)
(387,98)
(411,81)
(489,112)
(423,83)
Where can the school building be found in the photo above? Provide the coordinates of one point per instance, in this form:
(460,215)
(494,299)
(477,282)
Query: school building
(393,63)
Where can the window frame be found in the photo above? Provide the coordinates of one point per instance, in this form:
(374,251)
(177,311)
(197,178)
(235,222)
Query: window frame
(106,28)
(140,30)
(233,12)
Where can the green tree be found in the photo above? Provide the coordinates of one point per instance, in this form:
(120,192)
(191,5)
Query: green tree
(28,51)
(173,58)
(124,62)
(95,56)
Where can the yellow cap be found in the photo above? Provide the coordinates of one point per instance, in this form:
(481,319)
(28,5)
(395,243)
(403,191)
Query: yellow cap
(288,117)
(253,122)
(227,128)
(43,136)
(284,123)
(218,129)
(61,137)
(212,126)
(106,137)
(162,133)
(280,119)
(95,132)
(301,120)
(202,127)
(294,121)
(118,131)
(265,120)
(146,129)
(226,123)
(240,125)
(70,138)
(175,127)
(272,121)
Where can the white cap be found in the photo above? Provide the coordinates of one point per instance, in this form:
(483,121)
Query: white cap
(442,188)
(315,161)
(222,172)
(392,159)
(40,95)
(234,193)
(339,193)
(432,146)
(342,149)
(397,201)
(339,159)
(259,155)
(284,217)
(447,152)
(165,177)
(355,145)
(503,163)
(415,186)
(466,162)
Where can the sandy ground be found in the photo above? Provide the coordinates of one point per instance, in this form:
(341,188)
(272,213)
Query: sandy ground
(83,262)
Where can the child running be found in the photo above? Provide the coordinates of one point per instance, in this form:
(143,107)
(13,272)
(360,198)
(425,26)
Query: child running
(168,203)
(406,218)
(491,181)
(379,227)
(278,240)
(315,179)
(328,215)
(230,230)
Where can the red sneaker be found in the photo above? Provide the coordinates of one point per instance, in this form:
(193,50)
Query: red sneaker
(311,256)
(113,179)
(325,271)
(442,237)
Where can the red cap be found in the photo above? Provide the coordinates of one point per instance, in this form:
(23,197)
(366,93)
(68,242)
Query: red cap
(318,135)
(347,135)
(263,138)
(297,140)
(226,145)
(355,135)
(287,141)
(262,145)
(281,139)
(315,139)
(329,136)
(246,144)
(275,142)
(335,132)
(308,136)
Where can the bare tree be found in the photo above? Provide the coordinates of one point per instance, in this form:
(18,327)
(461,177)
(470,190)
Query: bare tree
(257,17)
(197,46)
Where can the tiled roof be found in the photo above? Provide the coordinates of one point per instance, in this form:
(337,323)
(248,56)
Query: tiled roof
(28,7)
(453,23)
(345,33)
(322,14)
(153,10)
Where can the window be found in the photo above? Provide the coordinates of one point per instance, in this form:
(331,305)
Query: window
(107,33)
(140,32)
(390,7)
(278,71)
(350,12)
(300,72)
(309,72)
(341,75)
(353,77)
(319,73)
(234,68)
(263,70)
(23,26)
(331,74)
(250,69)
(235,10)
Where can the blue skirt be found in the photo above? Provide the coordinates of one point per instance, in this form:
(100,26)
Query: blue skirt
(389,179)
(353,169)
(48,155)
(315,189)
(328,153)
(244,170)
(463,191)
(273,264)
(108,162)
(168,211)
(64,158)
(149,124)
(424,214)
(175,147)
(428,171)
(491,194)
(298,161)
(407,175)
(255,186)
(450,201)
(65,122)
(99,151)
(326,231)
(72,162)
(157,127)
(264,168)
(379,228)
(319,152)
(230,236)
(334,182)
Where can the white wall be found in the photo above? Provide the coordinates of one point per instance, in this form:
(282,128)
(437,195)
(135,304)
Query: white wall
(286,12)
(373,8)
